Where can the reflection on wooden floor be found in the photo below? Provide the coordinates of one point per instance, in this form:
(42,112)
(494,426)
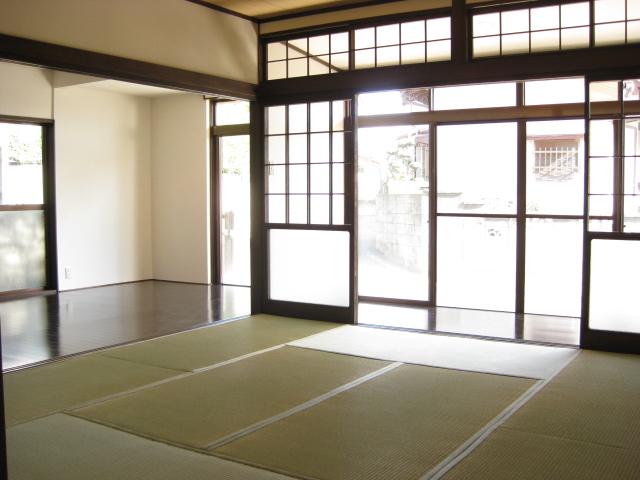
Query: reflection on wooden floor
(481,323)
(44,327)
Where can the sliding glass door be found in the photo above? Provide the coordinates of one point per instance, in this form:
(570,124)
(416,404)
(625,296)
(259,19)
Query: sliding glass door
(23,232)
(477,205)
(394,213)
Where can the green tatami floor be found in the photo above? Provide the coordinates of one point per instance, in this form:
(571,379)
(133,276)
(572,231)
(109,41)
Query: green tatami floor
(235,401)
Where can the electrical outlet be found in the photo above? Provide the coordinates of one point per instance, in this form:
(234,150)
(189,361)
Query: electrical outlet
(67,273)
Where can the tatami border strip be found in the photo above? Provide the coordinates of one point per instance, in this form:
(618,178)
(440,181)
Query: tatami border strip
(171,379)
(299,408)
(476,440)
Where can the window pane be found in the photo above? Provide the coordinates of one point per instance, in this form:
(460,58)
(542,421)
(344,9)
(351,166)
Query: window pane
(553,283)
(439,51)
(232,113)
(388,56)
(338,178)
(365,38)
(575,14)
(339,42)
(365,58)
(298,118)
(319,45)
(545,18)
(475,96)
(633,32)
(22,250)
(477,175)
(234,207)
(297,179)
(603,91)
(574,38)
(394,101)
(601,138)
(613,294)
(319,65)
(275,120)
(319,209)
(486,46)
(297,208)
(439,28)
(275,149)
(338,147)
(515,21)
(297,48)
(555,167)
(515,43)
(319,147)
(413,31)
(298,68)
(277,70)
(413,53)
(632,213)
(309,266)
(388,35)
(610,34)
(276,208)
(393,212)
(320,178)
(476,263)
(609,10)
(320,117)
(338,209)
(338,112)
(545,41)
(21,180)
(339,62)
(298,148)
(487,24)
(547,92)
(276,51)
(275,179)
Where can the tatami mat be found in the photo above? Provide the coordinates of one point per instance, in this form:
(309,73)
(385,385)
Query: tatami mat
(504,358)
(40,391)
(394,427)
(200,409)
(584,424)
(61,447)
(510,454)
(595,399)
(206,346)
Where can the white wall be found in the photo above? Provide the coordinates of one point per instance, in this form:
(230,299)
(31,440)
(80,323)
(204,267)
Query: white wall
(103,187)
(174,33)
(25,91)
(179,179)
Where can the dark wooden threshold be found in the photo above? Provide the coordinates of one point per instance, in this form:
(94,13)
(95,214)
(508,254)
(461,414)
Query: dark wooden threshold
(74,60)
(26,293)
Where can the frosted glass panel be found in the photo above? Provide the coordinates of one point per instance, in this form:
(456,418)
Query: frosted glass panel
(476,263)
(22,250)
(477,168)
(309,266)
(614,303)
(553,267)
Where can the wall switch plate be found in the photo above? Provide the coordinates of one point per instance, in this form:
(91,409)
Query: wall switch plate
(67,273)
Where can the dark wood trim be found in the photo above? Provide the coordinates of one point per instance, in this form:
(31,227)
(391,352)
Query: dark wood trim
(26,293)
(225,10)
(14,119)
(321,10)
(395,301)
(459,29)
(521,221)
(602,60)
(258,251)
(327,313)
(214,198)
(50,218)
(230,130)
(74,60)
(4,471)
(20,208)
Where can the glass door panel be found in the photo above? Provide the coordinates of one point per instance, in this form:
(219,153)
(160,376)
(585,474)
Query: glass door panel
(393,212)
(22,216)
(235,222)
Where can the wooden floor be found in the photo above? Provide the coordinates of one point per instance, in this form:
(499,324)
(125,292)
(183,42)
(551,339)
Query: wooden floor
(40,328)
(481,323)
